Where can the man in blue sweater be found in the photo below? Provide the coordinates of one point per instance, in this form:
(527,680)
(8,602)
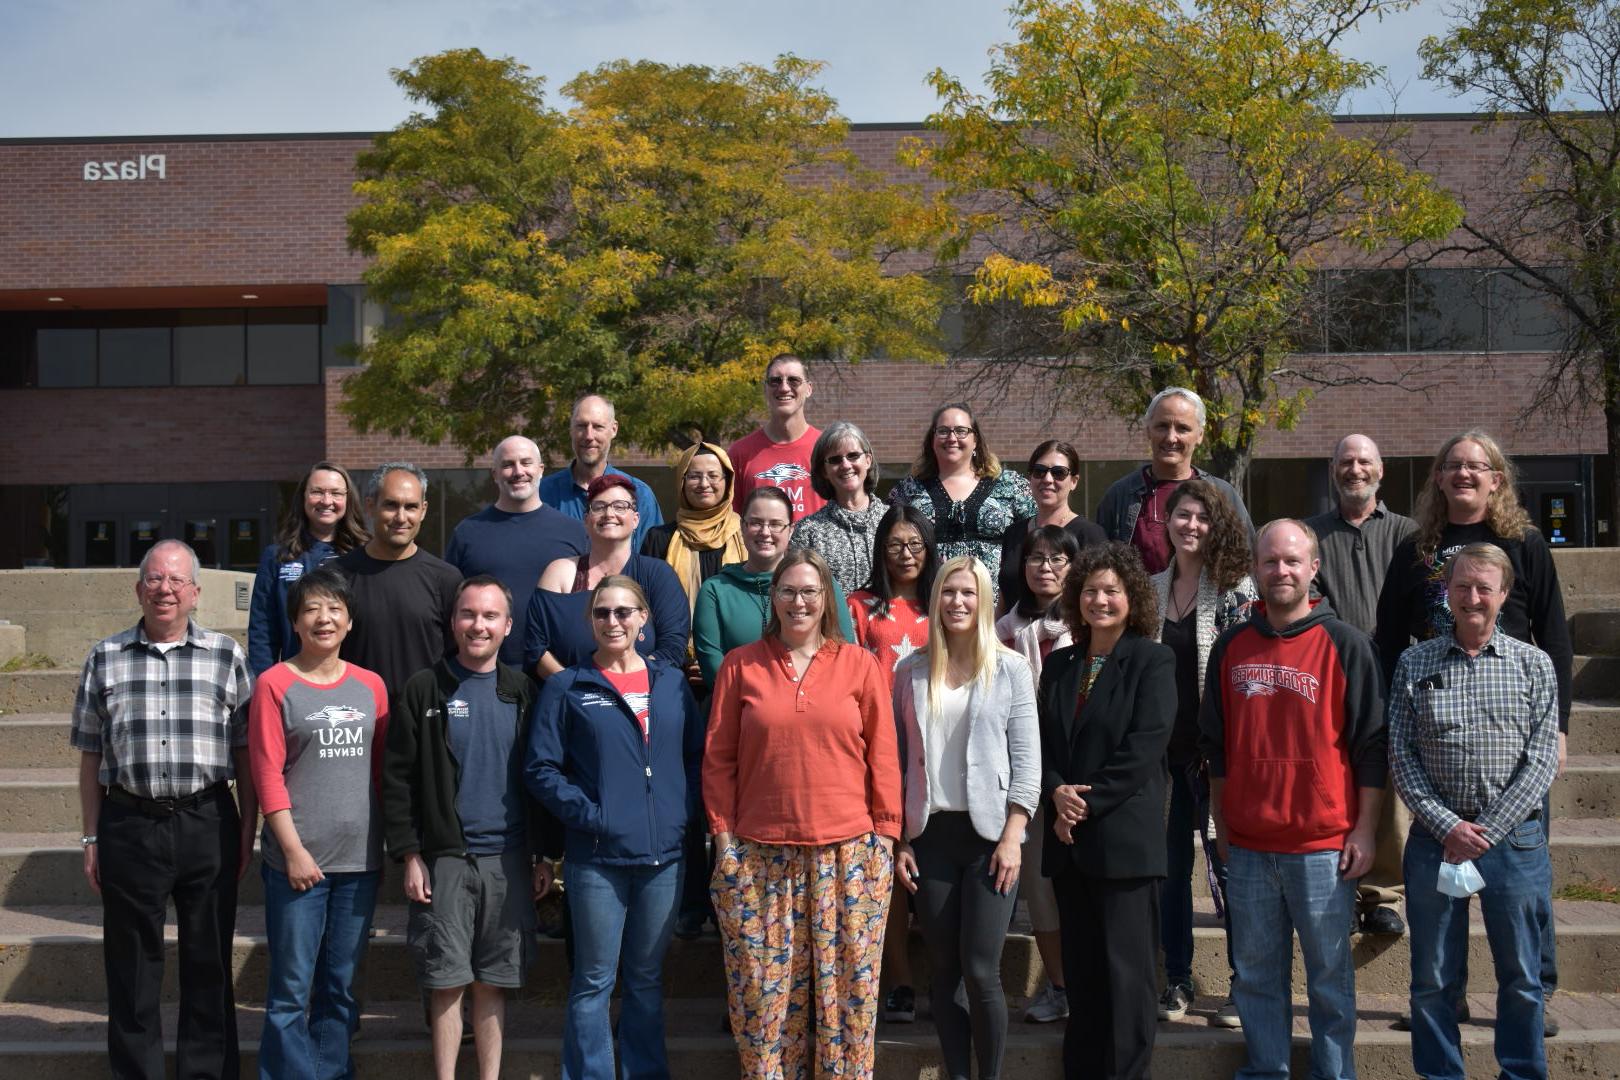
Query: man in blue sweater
(517,537)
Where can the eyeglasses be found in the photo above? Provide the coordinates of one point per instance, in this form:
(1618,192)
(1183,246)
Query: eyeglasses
(914,547)
(952,432)
(1059,473)
(787,595)
(617,506)
(174,581)
(1466,466)
(792,382)
(1056,562)
(764,526)
(327,493)
(622,614)
(852,458)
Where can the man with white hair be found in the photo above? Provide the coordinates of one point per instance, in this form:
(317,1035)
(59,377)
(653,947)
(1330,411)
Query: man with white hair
(592,427)
(160,723)
(517,536)
(1357,539)
(1132,510)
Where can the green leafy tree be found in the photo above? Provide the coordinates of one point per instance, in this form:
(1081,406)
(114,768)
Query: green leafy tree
(657,242)
(1547,74)
(1155,183)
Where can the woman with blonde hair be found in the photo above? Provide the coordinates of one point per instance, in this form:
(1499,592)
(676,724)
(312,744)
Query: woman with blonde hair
(965,709)
(1471,498)
(801,780)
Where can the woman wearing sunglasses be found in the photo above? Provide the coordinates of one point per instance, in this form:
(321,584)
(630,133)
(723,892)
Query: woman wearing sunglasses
(842,532)
(614,753)
(1054,473)
(962,488)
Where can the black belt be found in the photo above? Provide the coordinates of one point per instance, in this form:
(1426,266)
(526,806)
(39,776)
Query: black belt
(1535,815)
(165,807)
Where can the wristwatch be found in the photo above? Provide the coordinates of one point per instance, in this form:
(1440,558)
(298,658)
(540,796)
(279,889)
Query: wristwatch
(86,841)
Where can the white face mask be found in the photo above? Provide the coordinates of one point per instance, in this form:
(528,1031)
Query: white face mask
(1459,879)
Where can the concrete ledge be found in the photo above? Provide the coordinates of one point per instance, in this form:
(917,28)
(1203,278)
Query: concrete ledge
(13,641)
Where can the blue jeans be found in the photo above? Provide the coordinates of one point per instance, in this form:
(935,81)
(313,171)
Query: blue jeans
(623,919)
(1189,812)
(316,939)
(1517,904)
(1272,896)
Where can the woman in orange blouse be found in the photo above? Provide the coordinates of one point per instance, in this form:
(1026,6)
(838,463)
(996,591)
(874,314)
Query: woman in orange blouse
(801,778)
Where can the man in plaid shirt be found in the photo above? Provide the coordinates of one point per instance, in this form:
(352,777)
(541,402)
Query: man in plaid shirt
(161,723)
(1473,748)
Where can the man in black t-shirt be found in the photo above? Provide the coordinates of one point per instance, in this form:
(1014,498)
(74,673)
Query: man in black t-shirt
(403,596)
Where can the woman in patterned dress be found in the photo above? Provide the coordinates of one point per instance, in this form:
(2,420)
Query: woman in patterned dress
(961,487)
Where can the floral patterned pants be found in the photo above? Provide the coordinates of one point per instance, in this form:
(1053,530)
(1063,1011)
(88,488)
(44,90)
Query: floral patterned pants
(803,934)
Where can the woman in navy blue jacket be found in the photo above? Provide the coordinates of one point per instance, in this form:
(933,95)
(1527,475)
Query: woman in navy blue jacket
(615,750)
(557,633)
(323,524)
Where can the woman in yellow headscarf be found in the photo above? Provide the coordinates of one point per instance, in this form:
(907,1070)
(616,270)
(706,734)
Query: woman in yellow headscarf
(705,535)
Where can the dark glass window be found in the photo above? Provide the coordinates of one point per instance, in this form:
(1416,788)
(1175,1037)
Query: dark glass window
(135,356)
(66,357)
(345,316)
(1448,311)
(1523,318)
(210,349)
(1367,311)
(1309,334)
(284,346)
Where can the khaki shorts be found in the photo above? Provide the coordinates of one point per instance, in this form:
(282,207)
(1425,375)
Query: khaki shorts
(479,926)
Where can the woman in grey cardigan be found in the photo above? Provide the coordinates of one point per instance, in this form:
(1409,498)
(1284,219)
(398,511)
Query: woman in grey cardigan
(844,473)
(1205,589)
(971,763)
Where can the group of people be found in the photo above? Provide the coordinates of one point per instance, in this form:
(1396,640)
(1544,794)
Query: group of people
(813,715)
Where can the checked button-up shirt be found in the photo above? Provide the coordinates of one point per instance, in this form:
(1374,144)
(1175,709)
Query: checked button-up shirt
(164,718)
(1473,737)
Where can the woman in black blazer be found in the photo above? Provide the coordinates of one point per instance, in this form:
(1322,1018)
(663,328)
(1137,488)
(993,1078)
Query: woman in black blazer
(1107,704)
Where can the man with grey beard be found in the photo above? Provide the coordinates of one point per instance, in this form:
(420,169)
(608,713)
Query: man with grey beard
(1357,538)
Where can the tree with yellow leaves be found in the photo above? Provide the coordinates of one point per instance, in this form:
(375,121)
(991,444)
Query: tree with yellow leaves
(656,243)
(1156,182)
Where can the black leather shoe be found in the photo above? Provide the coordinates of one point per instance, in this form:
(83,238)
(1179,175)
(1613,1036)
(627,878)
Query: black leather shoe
(1382,920)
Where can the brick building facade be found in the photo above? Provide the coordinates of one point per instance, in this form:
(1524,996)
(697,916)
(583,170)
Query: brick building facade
(240,240)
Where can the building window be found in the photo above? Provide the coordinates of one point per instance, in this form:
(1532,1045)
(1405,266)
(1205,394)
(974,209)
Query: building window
(1366,311)
(283,347)
(210,349)
(1448,310)
(66,357)
(134,356)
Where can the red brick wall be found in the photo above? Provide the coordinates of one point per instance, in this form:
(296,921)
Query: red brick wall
(262,212)
(159,435)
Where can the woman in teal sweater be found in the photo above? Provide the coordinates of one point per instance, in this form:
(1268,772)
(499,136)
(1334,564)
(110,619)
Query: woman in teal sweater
(733,606)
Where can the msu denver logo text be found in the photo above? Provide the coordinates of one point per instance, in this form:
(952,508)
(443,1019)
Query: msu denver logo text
(337,740)
(782,472)
(1264,680)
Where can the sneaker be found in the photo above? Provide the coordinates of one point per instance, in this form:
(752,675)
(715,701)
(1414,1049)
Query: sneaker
(1226,1016)
(1383,920)
(1549,1027)
(900,1007)
(1175,1001)
(1049,1005)
(1403,1022)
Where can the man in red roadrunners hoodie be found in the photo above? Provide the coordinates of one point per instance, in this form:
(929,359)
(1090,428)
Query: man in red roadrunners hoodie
(1293,726)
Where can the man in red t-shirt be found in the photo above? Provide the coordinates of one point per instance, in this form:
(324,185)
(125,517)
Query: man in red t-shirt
(778,454)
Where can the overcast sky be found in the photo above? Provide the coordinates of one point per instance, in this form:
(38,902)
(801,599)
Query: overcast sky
(161,67)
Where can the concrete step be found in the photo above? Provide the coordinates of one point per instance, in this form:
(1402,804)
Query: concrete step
(1596,677)
(1579,603)
(39,740)
(53,955)
(68,1043)
(1594,727)
(1588,570)
(49,690)
(1596,633)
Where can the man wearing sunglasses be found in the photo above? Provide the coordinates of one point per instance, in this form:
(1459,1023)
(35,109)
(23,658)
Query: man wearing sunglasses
(779,453)
(1132,510)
